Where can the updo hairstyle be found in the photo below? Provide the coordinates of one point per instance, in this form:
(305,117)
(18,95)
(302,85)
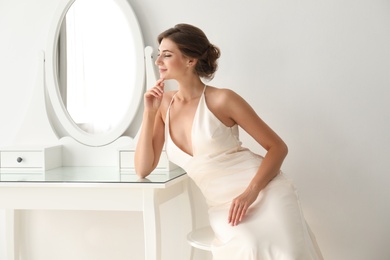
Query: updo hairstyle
(193,43)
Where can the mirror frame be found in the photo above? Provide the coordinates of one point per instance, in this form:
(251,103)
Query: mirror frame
(53,85)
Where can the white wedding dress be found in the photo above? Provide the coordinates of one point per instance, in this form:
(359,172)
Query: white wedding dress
(274,227)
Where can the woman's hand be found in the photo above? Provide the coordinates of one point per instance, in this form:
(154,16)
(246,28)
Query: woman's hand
(153,97)
(240,205)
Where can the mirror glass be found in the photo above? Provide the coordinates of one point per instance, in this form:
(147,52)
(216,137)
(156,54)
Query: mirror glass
(95,70)
(96,64)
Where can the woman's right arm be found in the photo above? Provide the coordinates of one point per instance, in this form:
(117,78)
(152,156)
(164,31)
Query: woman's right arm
(151,138)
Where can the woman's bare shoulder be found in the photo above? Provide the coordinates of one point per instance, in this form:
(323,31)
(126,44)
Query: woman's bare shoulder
(221,102)
(221,96)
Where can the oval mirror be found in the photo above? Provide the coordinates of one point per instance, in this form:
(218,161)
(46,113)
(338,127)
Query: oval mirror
(95,65)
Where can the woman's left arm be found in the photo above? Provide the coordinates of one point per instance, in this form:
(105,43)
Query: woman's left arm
(244,115)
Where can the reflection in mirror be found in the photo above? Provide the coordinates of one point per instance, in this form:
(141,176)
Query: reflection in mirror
(96,64)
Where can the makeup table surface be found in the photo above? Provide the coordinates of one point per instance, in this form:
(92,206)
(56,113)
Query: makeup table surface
(92,188)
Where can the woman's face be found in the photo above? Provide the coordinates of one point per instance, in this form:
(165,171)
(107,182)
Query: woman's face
(172,64)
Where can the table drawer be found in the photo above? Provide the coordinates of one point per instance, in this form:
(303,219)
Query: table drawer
(21,159)
(34,158)
(126,159)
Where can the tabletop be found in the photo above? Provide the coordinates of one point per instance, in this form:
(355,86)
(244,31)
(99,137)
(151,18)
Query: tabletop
(88,176)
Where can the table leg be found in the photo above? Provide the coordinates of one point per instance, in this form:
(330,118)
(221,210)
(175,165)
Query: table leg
(10,237)
(190,212)
(152,231)
(152,199)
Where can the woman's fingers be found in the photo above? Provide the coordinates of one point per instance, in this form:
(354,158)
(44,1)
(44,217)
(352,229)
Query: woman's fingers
(240,205)
(154,95)
(156,92)
(160,81)
(243,213)
(158,87)
(237,212)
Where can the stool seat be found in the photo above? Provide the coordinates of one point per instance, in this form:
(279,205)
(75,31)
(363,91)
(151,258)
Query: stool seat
(201,238)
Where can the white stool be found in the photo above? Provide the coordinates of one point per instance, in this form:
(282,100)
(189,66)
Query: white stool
(201,238)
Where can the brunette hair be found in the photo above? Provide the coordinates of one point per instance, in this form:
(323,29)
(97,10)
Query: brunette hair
(193,43)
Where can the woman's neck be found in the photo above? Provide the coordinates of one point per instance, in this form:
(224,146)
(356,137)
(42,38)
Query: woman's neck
(190,89)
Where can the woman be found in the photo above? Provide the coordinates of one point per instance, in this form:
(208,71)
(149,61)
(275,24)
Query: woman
(253,208)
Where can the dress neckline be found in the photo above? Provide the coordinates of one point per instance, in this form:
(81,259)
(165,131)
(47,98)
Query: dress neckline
(192,125)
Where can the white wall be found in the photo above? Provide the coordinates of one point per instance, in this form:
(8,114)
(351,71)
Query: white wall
(316,71)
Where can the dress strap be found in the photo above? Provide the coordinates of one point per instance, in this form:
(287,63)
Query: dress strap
(170,103)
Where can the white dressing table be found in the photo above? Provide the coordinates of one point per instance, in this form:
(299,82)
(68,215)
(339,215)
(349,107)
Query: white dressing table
(92,188)
(93,180)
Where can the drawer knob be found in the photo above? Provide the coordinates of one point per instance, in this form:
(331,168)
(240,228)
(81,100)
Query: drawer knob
(19,159)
